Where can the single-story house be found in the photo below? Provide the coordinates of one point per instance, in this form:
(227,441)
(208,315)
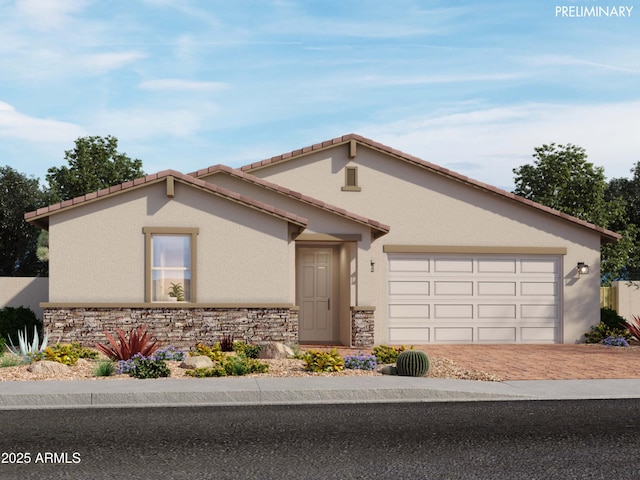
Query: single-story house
(344,242)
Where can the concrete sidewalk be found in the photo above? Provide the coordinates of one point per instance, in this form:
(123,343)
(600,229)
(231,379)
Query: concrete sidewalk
(301,390)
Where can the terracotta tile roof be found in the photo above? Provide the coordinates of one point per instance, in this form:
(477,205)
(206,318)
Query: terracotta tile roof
(41,216)
(606,235)
(379,227)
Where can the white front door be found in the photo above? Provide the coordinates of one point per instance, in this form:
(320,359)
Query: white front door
(314,295)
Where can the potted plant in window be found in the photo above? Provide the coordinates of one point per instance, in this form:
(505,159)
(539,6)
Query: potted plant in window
(176,291)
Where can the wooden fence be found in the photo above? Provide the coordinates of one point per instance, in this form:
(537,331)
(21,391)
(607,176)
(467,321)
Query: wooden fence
(609,298)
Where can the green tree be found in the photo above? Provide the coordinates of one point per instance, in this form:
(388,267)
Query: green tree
(18,239)
(562,178)
(627,191)
(93,164)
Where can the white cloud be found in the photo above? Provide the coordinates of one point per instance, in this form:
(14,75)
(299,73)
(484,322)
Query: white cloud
(184,85)
(487,143)
(103,62)
(16,125)
(49,14)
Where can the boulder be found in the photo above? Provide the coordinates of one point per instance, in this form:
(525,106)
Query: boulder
(47,367)
(275,351)
(199,361)
(389,370)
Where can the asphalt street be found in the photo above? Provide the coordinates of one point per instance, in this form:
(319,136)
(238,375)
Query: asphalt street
(588,439)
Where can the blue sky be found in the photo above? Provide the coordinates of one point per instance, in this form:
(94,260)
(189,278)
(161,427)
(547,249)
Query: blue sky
(471,85)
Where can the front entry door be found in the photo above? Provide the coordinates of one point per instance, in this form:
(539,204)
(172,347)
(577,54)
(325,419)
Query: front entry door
(314,295)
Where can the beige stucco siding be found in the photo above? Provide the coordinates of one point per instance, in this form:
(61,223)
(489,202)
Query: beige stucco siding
(424,208)
(97,250)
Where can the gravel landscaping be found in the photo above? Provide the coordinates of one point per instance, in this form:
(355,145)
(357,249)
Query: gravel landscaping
(85,370)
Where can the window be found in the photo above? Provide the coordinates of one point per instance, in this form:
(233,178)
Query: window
(170,260)
(351,179)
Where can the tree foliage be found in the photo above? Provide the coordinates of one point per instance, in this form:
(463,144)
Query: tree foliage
(18,239)
(93,164)
(562,178)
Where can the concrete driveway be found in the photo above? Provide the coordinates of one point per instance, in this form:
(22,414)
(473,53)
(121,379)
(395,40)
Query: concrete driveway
(540,362)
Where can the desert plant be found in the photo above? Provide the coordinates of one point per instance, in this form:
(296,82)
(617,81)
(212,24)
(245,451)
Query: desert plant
(385,354)
(67,354)
(14,319)
(226,343)
(318,361)
(177,292)
(26,349)
(105,369)
(138,341)
(412,363)
(170,353)
(603,330)
(615,342)
(360,362)
(12,361)
(215,371)
(248,349)
(214,352)
(633,327)
(231,366)
(142,367)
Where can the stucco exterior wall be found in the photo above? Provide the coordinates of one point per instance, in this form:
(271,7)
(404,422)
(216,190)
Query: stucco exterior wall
(628,299)
(424,208)
(97,251)
(24,292)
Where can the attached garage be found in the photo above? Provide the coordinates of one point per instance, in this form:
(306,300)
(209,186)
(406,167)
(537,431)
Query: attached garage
(474,297)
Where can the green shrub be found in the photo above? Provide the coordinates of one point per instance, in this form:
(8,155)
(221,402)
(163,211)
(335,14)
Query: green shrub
(231,365)
(214,352)
(250,350)
(385,354)
(412,363)
(12,361)
(66,353)
(150,368)
(317,361)
(15,319)
(601,331)
(3,343)
(105,369)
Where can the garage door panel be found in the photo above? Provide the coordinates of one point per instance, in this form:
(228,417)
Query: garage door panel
(403,263)
(409,311)
(408,288)
(497,334)
(497,288)
(453,334)
(538,334)
(451,265)
(538,266)
(497,311)
(549,289)
(452,288)
(452,311)
(497,265)
(541,311)
(408,335)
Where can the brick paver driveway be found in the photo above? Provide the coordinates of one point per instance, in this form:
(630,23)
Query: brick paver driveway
(540,362)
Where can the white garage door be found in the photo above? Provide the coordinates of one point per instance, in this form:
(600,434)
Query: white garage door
(462,298)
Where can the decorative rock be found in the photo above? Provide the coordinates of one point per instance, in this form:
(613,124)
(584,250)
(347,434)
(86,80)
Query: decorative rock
(389,370)
(275,351)
(199,361)
(47,367)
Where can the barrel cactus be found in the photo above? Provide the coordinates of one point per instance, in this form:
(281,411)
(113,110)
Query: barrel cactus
(412,363)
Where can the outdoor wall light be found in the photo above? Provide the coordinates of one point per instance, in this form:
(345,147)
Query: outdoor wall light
(373,265)
(583,268)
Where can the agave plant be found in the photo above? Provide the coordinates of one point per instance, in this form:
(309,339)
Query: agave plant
(634,327)
(24,348)
(138,341)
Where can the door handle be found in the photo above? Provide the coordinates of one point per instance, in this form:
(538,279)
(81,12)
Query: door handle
(328,304)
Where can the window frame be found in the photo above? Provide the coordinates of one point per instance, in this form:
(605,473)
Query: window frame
(347,186)
(149,232)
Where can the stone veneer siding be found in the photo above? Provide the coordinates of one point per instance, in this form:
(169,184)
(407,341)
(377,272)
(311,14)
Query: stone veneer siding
(362,327)
(180,327)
